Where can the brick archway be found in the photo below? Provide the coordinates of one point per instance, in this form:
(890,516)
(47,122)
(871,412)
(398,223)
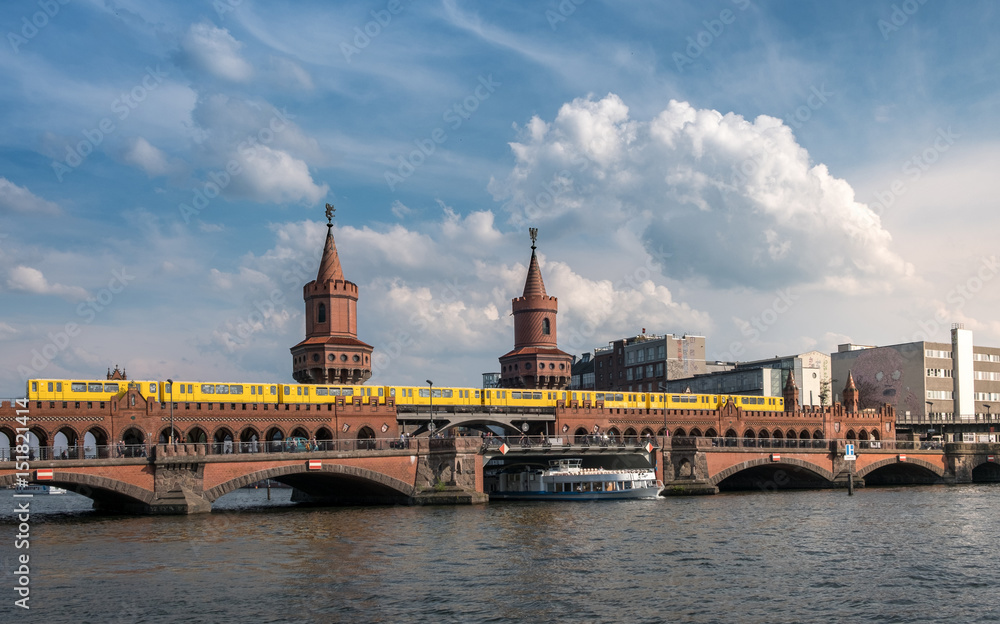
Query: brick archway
(99,489)
(765,461)
(913,461)
(330,470)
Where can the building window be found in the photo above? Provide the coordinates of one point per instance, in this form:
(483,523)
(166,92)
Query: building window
(321,314)
(546,329)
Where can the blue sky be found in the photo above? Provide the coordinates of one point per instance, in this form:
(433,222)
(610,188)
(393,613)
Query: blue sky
(778,177)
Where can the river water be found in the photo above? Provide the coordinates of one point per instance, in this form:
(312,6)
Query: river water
(911,554)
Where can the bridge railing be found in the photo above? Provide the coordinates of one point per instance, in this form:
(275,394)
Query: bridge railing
(803,443)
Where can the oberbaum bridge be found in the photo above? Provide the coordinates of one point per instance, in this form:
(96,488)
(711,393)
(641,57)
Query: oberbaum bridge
(694,451)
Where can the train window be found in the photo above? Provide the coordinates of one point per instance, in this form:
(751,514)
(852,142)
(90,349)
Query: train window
(619,397)
(574,396)
(424,393)
(477,394)
(95,387)
(502,394)
(348,392)
(114,388)
(152,388)
(368,391)
(58,386)
(237,389)
(334,391)
(253,390)
(676,398)
(392,392)
(222,389)
(599,396)
(207,389)
(274,389)
(321,391)
(305,391)
(535,395)
(34,386)
(298,390)
(380,390)
(516,395)
(447,394)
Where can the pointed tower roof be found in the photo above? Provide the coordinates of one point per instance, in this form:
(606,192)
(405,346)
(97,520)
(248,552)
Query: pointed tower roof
(790,382)
(533,284)
(329,266)
(850,381)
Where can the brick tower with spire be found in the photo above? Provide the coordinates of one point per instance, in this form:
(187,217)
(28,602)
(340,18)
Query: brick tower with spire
(850,395)
(536,361)
(791,393)
(331,352)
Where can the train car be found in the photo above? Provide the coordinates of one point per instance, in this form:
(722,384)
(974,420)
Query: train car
(86,389)
(759,403)
(421,395)
(217,392)
(309,393)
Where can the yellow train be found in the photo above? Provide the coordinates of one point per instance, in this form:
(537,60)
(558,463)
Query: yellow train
(495,398)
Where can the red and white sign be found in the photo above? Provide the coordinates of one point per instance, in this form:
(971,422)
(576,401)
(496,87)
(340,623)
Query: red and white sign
(44,474)
(775,457)
(649,447)
(504,448)
(314,464)
(991,458)
(902,457)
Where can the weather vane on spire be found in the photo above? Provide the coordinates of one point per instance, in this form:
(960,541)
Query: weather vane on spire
(534,234)
(329,215)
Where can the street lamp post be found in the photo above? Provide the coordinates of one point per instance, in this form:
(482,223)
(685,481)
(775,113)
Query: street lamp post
(171,438)
(987,406)
(430,427)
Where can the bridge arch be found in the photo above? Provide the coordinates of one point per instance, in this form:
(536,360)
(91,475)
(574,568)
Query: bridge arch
(986,472)
(103,491)
(318,482)
(818,474)
(892,471)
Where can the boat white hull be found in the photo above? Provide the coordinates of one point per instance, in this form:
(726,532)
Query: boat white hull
(646,492)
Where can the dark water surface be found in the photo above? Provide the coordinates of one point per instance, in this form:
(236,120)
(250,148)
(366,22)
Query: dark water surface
(917,554)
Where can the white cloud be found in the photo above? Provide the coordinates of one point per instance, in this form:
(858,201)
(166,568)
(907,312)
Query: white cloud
(6,331)
(140,153)
(216,51)
(400,210)
(735,202)
(16,198)
(271,175)
(31,280)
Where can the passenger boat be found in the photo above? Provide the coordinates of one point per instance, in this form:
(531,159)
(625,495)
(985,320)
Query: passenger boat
(36,488)
(567,479)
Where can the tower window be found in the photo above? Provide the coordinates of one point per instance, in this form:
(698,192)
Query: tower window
(321,313)
(545,327)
